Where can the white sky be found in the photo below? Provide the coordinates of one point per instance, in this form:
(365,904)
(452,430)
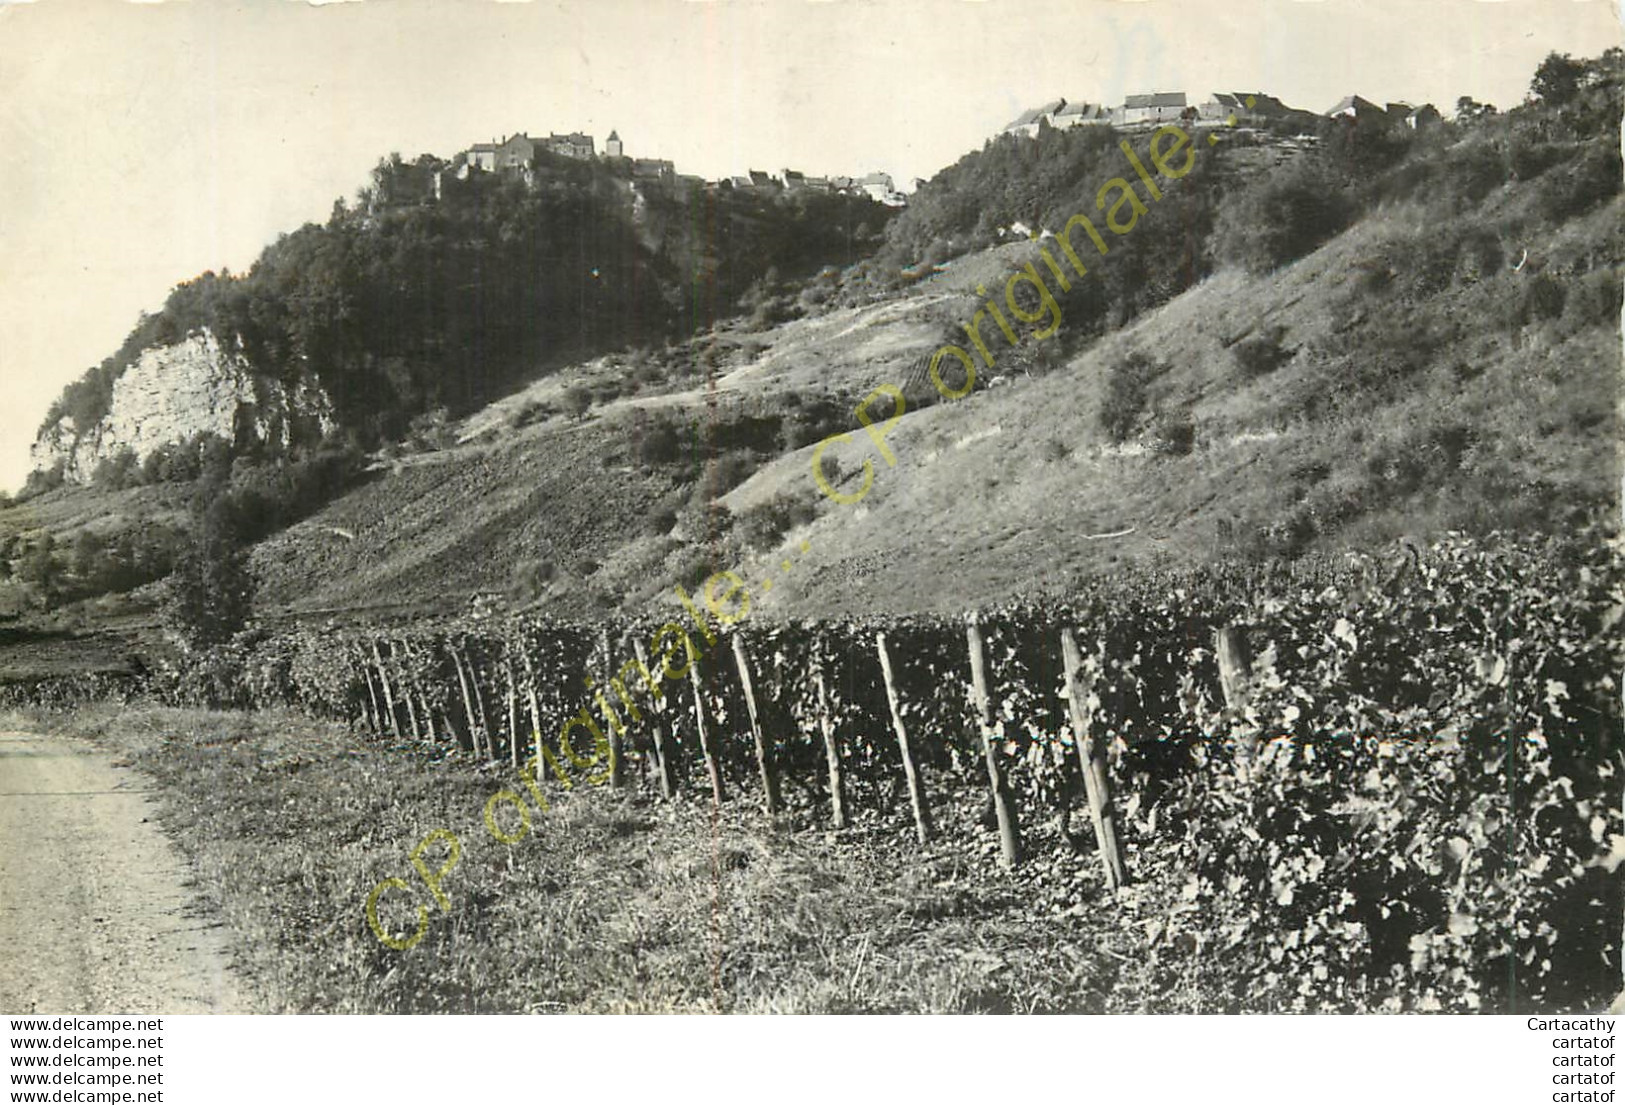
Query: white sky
(141,144)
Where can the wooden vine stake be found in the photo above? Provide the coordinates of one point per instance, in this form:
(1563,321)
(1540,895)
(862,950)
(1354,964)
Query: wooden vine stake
(1009,827)
(479,702)
(406,691)
(468,701)
(770,783)
(531,701)
(1092,763)
(916,791)
(375,716)
(426,730)
(390,727)
(832,754)
(657,730)
(428,717)
(712,767)
(617,748)
(1235,676)
(513,709)
(1235,664)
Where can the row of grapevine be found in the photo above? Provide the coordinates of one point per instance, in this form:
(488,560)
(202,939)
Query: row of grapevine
(1370,785)
(1252,738)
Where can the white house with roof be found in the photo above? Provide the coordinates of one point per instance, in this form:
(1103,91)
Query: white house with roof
(1028,122)
(1153,108)
(1221,107)
(1079,114)
(877,186)
(1024,124)
(575,144)
(1425,116)
(483,156)
(1358,109)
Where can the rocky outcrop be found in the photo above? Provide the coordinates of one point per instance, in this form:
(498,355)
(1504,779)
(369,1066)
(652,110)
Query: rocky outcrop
(175,392)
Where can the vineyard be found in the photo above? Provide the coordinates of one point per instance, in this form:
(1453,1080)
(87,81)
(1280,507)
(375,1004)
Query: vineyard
(1355,785)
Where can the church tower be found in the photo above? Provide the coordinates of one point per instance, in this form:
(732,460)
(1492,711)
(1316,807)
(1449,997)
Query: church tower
(612,145)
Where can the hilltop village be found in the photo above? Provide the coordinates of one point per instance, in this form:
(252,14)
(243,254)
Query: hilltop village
(520,155)
(523,156)
(1242,110)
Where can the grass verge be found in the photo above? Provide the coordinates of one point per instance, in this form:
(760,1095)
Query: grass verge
(613,902)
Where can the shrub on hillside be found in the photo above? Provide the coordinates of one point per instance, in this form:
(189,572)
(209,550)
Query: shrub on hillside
(658,523)
(657,442)
(175,462)
(1472,172)
(123,561)
(1175,434)
(811,420)
(1528,157)
(762,525)
(1124,398)
(724,473)
(1480,256)
(529,412)
(645,369)
(42,480)
(1282,217)
(1262,353)
(117,471)
(815,296)
(830,465)
(1593,178)
(1539,297)
(531,578)
(274,494)
(432,431)
(577,401)
(693,565)
(1594,300)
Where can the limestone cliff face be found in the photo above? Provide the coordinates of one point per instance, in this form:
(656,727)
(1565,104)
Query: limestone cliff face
(176,391)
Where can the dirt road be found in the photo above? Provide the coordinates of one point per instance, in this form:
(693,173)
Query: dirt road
(94,914)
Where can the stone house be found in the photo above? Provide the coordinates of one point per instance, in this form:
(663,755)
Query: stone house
(1425,116)
(1358,109)
(515,153)
(877,186)
(649,168)
(1079,114)
(1153,108)
(1029,122)
(576,145)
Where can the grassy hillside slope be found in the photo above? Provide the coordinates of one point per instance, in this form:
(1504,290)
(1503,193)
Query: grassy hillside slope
(1416,374)
(1386,419)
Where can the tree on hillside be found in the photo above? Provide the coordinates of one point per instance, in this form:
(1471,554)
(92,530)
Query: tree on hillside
(211,592)
(40,569)
(577,401)
(1557,80)
(1608,68)
(1282,218)
(1469,110)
